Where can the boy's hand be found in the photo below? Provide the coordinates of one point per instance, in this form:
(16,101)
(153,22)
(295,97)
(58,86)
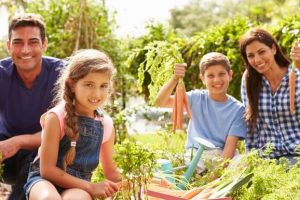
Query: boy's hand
(295,54)
(179,71)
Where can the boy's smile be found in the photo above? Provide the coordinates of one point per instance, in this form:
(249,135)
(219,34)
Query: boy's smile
(216,79)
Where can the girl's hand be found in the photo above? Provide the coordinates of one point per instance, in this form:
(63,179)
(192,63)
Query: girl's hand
(179,70)
(295,54)
(104,189)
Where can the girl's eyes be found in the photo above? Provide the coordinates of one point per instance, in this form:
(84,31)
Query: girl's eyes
(104,87)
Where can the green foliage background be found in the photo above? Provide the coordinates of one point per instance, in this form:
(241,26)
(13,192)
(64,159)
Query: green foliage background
(73,25)
(146,62)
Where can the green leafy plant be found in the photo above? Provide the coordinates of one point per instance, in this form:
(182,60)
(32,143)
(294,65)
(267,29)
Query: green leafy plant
(160,57)
(136,163)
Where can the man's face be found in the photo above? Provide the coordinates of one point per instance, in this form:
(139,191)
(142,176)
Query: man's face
(26,48)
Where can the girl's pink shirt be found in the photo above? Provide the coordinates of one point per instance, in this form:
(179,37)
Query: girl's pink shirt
(60,113)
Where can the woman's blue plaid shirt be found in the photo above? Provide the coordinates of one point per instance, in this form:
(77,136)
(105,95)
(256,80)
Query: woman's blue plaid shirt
(275,124)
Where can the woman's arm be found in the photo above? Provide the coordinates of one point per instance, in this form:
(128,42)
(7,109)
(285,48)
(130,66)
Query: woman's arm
(107,160)
(230,147)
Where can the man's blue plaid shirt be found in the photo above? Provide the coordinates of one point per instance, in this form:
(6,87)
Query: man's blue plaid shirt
(275,124)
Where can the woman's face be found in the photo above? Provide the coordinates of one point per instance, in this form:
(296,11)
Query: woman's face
(260,56)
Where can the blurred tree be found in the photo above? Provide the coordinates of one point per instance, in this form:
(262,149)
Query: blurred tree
(73,25)
(81,24)
(14,6)
(199,15)
(3,51)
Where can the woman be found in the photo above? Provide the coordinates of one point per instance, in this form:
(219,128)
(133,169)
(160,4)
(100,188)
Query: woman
(265,93)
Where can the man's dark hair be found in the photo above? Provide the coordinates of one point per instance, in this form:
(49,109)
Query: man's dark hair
(27,19)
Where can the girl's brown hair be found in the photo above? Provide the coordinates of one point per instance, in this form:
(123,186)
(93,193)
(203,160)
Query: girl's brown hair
(253,79)
(80,64)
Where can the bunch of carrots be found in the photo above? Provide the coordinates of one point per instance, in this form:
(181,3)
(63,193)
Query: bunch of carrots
(292,83)
(180,103)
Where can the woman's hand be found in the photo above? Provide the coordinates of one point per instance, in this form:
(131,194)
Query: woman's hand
(104,189)
(295,54)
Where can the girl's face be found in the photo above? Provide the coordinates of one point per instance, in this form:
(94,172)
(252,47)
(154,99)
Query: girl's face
(91,92)
(260,56)
(216,79)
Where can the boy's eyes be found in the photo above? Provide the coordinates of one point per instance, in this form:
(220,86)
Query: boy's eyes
(219,74)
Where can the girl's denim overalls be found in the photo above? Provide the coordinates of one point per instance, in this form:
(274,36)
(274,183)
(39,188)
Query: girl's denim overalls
(87,153)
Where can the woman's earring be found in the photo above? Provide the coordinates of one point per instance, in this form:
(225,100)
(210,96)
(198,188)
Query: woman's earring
(73,102)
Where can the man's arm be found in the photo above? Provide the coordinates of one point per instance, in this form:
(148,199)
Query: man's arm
(12,145)
(164,98)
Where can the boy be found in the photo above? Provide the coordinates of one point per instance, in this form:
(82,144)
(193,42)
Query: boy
(216,116)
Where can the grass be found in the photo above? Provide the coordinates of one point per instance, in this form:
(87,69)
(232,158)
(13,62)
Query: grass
(163,140)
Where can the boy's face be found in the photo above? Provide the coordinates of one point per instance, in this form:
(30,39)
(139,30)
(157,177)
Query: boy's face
(216,79)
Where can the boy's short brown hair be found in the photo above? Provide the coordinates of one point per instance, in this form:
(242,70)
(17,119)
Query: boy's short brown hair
(213,58)
(27,19)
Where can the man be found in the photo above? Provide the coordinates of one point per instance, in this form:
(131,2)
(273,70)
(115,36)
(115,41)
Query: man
(26,82)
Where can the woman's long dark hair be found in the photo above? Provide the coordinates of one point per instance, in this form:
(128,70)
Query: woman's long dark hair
(253,79)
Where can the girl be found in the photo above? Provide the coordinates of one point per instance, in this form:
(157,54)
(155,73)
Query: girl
(76,134)
(265,92)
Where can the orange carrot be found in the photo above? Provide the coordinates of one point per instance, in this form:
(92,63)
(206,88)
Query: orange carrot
(203,194)
(174,114)
(180,103)
(186,104)
(179,93)
(191,193)
(292,90)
